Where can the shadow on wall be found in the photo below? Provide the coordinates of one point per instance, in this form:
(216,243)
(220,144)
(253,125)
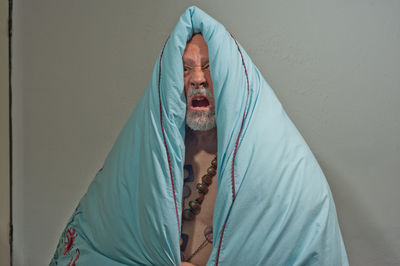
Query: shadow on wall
(363,239)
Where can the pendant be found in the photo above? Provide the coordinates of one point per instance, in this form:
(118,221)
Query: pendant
(184,240)
(188,173)
(208,233)
(186,191)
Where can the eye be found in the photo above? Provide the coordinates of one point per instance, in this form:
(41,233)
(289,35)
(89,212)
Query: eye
(186,68)
(206,66)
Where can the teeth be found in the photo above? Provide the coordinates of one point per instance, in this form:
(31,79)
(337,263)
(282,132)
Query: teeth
(200,101)
(199,98)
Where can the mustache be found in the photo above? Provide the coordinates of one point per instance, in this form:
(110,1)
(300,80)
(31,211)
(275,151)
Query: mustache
(200,91)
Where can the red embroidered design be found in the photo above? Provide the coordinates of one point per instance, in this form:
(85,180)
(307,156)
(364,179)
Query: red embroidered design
(234,153)
(69,240)
(73,260)
(165,141)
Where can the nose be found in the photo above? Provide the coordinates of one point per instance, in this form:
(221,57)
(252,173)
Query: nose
(198,78)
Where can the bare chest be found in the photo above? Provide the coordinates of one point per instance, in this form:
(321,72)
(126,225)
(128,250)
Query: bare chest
(196,241)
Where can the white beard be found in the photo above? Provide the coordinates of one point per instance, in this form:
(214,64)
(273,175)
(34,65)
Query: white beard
(200,120)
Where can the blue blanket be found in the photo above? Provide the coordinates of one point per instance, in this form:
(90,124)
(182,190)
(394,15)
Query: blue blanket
(274,206)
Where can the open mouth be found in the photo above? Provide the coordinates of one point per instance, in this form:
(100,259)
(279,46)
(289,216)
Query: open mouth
(200,103)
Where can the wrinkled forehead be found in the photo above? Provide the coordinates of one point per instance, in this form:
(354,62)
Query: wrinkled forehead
(196,51)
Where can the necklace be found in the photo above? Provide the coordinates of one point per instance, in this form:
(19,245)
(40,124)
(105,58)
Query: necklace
(195,207)
(208,234)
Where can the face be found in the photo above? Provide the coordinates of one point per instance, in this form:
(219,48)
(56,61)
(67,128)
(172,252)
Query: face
(200,112)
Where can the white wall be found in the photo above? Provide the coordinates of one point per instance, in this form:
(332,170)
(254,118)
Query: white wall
(81,66)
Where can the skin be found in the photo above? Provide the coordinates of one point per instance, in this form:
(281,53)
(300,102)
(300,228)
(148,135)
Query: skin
(201,148)
(196,65)
(187,264)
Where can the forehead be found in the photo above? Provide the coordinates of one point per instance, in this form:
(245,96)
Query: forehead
(196,50)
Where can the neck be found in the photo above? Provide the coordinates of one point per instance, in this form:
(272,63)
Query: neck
(202,140)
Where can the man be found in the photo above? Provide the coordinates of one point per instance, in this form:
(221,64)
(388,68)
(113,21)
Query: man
(156,202)
(201,149)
